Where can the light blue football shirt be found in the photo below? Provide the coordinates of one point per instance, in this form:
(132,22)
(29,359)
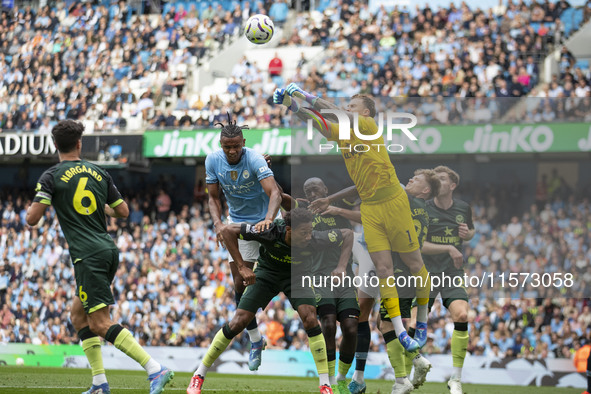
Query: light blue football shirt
(241,184)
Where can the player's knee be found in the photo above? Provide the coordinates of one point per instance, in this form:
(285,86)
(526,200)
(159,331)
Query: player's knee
(240,321)
(461,317)
(384,270)
(98,327)
(309,318)
(349,328)
(78,321)
(329,327)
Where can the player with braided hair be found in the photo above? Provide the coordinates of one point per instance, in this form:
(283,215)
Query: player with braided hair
(252,196)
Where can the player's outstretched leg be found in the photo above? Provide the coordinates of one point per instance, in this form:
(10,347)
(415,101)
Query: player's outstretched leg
(414,261)
(220,342)
(317,345)
(366,303)
(421,364)
(459,343)
(257,342)
(349,325)
(101,323)
(91,345)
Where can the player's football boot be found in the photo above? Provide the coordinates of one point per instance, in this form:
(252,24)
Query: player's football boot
(421,334)
(325,389)
(101,389)
(342,387)
(402,388)
(357,387)
(195,385)
(409,344)
(160,379)
(454,386)
(255,356)
(422,367)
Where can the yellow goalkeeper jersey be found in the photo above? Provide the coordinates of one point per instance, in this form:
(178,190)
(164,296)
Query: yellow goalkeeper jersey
(367,162)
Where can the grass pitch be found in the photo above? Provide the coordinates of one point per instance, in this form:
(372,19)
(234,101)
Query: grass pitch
(37,380)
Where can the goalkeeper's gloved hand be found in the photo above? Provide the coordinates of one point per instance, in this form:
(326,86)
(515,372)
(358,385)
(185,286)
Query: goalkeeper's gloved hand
(294,90)
(280,97)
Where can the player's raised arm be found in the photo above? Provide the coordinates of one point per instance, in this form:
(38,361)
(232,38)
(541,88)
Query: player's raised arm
(281,97)
(317,103)
(349,194)
(230,234)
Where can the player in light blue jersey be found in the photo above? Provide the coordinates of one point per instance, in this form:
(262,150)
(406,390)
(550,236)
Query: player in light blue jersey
(253,197)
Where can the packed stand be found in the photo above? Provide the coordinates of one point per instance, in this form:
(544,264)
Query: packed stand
(174,286)
(105,65)
(437,56)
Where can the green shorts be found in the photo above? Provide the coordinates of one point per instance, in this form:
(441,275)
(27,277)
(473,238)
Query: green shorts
(406,305)
(270,283)
(449,293)
(94,276)
(341,301)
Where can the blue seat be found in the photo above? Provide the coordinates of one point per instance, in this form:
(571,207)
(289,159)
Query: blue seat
(166,8)
(323,5)
(202,6)
(113,11)
(582,64)
(227,4)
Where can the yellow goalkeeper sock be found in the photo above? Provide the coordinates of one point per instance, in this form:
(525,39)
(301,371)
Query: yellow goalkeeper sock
(423,285)
(389,296)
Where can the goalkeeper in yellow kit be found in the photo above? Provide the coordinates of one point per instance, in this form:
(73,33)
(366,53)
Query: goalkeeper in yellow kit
(385,210)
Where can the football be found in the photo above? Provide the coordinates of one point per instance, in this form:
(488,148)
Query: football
(259,29)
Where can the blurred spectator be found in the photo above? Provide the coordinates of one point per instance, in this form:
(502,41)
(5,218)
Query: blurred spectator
(275,66)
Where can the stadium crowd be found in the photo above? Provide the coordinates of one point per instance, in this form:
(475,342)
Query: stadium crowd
(174,286)
(434,57)
(104,63)
(53,61)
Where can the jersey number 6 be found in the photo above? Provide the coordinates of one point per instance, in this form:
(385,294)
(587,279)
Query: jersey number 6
(81,192)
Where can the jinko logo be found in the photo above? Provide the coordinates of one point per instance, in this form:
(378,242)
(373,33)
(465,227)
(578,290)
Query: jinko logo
(388,122)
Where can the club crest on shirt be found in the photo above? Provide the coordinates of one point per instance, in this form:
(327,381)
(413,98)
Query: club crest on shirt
(332,236)
(234,175)
(459,219)
(245,174)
